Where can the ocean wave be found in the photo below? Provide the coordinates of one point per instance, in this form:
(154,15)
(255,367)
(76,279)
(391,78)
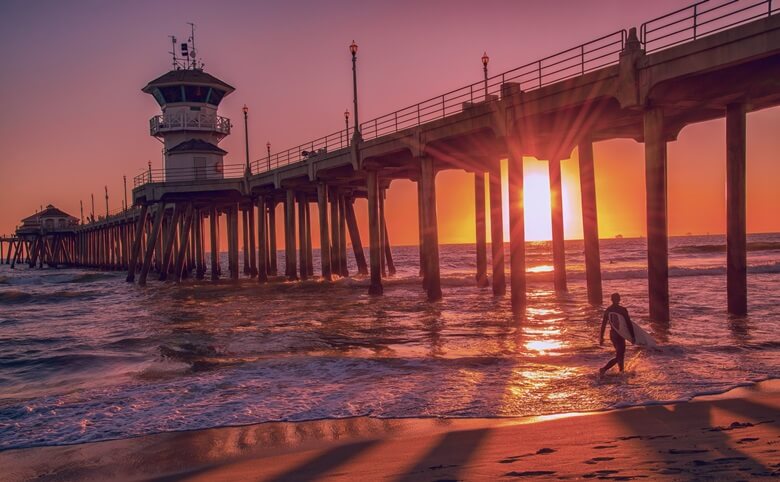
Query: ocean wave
(721,248)
(12,297)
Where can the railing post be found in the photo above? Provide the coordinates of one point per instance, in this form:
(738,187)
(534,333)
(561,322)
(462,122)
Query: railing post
(582,59)
(695,8)
(539,72)
(396,121)
(418,114)
(443,109)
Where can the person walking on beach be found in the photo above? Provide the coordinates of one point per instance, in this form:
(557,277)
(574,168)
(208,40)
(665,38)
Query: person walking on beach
(613,315)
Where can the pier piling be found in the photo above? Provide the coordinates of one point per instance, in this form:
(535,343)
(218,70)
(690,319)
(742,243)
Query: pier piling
(497,231)
(556,208)
(736,233)
(590,225)
(657,237)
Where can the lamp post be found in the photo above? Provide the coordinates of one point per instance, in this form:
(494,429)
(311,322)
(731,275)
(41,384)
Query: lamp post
(485,60)
(245,109)
(353,48)
(106,188)
(124,180)
(346,125)
(150,170)
(268,148)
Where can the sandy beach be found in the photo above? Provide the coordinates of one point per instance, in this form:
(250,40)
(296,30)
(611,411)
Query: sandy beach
(734,436)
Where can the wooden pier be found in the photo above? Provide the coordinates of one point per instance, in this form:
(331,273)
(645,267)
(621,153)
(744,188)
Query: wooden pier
(645,85)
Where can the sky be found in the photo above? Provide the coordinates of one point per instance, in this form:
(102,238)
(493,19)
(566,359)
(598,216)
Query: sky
(73,118)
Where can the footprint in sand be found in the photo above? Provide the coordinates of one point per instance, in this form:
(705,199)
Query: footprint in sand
(687,451)
(529,473)
(596,460)
(601,447)
(747,439)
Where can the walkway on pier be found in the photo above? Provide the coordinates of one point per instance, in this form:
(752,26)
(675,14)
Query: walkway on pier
(696,64)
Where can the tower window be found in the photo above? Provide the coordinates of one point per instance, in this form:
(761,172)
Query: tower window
(216,96)
(172,94)
(195,93)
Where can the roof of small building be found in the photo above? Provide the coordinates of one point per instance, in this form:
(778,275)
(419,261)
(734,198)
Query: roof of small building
(187,76)
(196,145)
(49,212)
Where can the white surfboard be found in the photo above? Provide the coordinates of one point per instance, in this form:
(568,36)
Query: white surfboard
(620,325)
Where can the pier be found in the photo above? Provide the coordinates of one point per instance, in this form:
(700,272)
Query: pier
(692,65)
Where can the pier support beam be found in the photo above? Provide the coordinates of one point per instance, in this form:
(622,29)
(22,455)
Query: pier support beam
(214,235)
(233,235)
(657,233)
(354,236)
(309,249)
(252,245)
(516,229)
(590,225)
(272,255)
(497,231)
(302,236)
(200,261)
(322,209)
(388,249)
(335,247)
(430,229)
(556,208)
(184,238)
(289,236)
(343,236)
(262,257)
(736,233)
(481,230)
(375,288)
(151,242)
(136,249)
(168,242)
(245,235)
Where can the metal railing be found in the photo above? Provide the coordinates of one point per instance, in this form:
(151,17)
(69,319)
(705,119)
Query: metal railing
(195,120)
(569,63)
(177,174)
(689,23)
(701,19)
(337,140)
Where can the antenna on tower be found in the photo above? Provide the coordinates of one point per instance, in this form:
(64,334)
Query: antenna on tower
(173,52)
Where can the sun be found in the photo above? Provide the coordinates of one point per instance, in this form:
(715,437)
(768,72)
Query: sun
(536,196)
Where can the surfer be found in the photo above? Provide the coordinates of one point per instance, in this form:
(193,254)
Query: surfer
(617,339)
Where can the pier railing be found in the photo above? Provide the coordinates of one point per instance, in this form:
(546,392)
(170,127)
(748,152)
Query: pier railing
(337,140)
(683,25)
(702,19)
(178,174)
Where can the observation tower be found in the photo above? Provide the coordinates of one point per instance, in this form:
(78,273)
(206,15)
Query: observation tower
(189,126)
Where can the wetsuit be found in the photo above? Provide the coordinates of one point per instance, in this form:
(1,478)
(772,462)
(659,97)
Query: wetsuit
(617,341)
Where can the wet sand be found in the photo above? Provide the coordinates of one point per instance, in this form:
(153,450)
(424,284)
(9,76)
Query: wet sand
(735,436)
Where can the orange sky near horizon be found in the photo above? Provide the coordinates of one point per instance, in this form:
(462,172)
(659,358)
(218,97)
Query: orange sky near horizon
(74,119)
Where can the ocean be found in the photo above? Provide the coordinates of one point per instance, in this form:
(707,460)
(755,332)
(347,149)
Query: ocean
(85,356)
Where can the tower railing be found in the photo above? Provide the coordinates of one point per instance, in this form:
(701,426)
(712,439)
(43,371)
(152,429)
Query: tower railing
(190,120)
(190,174)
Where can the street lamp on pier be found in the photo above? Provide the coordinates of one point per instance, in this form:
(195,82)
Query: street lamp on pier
(353,48)
(485,60)
(245,109)
(346,125)
(268,148)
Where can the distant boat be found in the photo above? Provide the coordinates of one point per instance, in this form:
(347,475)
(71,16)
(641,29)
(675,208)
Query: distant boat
(619,236)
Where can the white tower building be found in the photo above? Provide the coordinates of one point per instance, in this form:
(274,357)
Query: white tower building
(189,126)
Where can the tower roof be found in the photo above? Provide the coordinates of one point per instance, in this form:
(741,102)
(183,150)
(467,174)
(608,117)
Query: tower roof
(196,145)
(188,76)
(50,211)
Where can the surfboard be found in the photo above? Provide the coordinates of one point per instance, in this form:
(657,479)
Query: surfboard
(620,325)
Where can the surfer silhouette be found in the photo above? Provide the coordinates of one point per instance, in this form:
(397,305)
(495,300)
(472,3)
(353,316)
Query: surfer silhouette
(618,319)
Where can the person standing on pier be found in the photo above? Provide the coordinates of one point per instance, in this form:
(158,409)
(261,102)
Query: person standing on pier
(616,315)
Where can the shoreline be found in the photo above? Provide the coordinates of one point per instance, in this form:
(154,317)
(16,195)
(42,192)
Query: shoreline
(733,434)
